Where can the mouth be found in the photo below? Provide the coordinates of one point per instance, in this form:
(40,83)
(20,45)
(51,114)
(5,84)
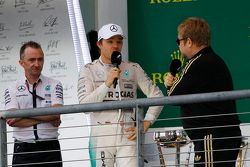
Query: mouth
(37,70)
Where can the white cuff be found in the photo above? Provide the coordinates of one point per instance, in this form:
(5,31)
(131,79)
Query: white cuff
(150,117)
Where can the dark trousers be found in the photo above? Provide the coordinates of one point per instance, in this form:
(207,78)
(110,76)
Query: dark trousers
(215,146)
(20,157)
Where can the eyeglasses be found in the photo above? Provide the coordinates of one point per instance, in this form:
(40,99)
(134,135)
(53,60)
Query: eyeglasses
(179,40)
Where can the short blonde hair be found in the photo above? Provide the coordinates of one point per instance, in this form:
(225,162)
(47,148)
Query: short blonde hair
(197,29)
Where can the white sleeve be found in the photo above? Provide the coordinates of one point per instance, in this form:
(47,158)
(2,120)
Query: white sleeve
(57,93)
(10,99)
(87,93)
(150,90)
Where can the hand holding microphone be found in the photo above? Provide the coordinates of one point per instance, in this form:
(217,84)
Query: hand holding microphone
(175,67)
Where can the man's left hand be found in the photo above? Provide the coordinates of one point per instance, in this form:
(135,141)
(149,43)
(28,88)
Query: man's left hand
(132,130)
(12,121)
(56,123)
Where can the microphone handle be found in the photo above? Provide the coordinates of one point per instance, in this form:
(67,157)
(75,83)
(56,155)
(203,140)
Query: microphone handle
(115,82)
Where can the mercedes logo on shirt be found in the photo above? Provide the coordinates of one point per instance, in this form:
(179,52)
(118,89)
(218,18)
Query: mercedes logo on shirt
(113,28)
(21,88)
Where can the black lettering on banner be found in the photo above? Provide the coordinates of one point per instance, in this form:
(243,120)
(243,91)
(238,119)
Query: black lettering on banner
(128,94)
(124,94)
(132,95)
(117,94)
(110,94)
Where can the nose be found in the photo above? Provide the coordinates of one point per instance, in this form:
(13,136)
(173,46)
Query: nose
(115,46)
(37,63)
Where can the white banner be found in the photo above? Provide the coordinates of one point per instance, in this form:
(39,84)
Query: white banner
(46,22)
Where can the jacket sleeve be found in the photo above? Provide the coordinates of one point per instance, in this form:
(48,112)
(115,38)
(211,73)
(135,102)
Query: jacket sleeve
(150,90)
(87,91)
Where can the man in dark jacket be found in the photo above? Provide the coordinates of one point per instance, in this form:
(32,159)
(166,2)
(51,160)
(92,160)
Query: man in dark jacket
(216,138)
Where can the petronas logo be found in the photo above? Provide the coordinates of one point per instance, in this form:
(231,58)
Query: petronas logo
(197,158)
(47,87)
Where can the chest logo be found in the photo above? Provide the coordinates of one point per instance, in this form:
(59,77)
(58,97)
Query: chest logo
(126,73)
(47,88)
(100,74)
(197,158)
(21,88)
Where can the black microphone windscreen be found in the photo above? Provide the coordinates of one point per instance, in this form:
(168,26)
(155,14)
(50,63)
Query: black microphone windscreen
(175,66)
(116,58)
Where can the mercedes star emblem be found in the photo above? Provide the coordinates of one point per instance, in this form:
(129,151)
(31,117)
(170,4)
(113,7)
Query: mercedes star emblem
(113,28)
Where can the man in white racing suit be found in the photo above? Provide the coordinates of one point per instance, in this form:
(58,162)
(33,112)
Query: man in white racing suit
(113,140)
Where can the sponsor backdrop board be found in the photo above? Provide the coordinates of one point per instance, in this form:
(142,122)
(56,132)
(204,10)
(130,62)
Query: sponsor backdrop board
(152,34)
(48,23)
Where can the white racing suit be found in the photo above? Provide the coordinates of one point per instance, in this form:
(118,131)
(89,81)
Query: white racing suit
(114,147)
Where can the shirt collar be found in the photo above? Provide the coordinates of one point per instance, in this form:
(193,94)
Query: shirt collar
(41,78)
(202,52)
(104,64)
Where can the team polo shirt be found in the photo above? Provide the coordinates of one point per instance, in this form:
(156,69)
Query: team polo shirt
(19,96)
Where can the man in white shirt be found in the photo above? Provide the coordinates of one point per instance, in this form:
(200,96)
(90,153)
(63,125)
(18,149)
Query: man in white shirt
(34,90)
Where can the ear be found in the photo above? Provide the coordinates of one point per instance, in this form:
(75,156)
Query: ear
(21,62)
(189,42)
(99,44)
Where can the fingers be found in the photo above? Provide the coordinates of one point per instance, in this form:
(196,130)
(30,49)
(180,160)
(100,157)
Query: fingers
(56,123)
(131,133)
(169,79)
(132,130)
(132,136)
(115,72)
(115,69)
(10,122)
(112,74)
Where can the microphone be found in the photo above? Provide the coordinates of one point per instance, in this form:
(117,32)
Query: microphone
(175,66)
(116,59)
